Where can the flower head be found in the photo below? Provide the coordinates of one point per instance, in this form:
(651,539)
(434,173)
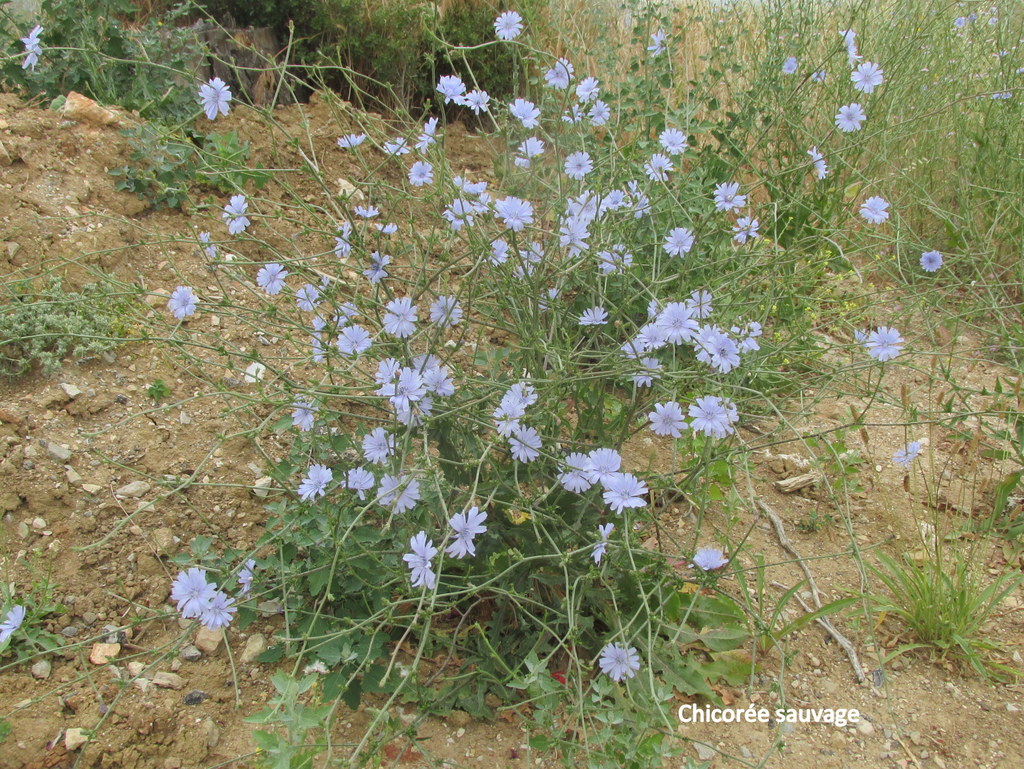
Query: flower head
(790,66)
(271,278)
(192,592)
(445,312)
(905,457)
(559,75)
(351,141)
(400,319)
(525,112)
(315,483)
(16,615)
(727,197)
(884,343)
(303,414)
(578,165)
(601,546)
(657,46)
(624,490)
(419,561)
(820,166)
(400,493)
(867,77)
(508,25)
(353,340)
(618,662)
(667,419)
(516,213)
(849,117)
(452,88)
(525,444)
(874,210)
(182,302)
(679,241)
(709,559)
(713,416)
(215,96)
(595,316)
(466,526)
(378,445)
(673,140)
(218,612)
(32,53)
(245,576)
(746,228)
(359,480)
(574,477)
(931,261)
(234,214)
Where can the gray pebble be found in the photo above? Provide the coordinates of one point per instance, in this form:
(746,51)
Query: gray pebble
(190,654)
(69,632)
(195,697)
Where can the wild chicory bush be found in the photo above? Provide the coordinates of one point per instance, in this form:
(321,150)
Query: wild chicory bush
(464,362)
(462,367)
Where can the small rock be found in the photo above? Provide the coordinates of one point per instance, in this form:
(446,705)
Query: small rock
(74,738)
(262,486)
(172,763)
(1010,707)
(72,476)
(704,753)
(865,728)
(745,752)
(58,452)
(195,697)
(459,718)
(91,488)
(164,540)
(349,191)
(211,731)
(190,654)
(167,680)
(23,530)
(41,670)
(69,632)
(38,524)
(208,641)
(102,653)
(254,647)
(254,372)
(135,668)
(134,489)
(70,390)
(115,635)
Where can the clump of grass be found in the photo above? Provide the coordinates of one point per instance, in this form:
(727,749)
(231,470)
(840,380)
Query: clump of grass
(946,603)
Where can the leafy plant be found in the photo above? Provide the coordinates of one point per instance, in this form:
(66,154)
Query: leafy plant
(163,164)
(45,326)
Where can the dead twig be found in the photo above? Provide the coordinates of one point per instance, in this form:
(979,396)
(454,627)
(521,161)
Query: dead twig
(843,641)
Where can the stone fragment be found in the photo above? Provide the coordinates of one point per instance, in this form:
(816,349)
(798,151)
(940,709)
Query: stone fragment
(167,680)
(208,641)
(102,653)
(134,489)
(254,647)
(58,452)
(74,738)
